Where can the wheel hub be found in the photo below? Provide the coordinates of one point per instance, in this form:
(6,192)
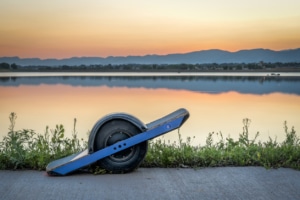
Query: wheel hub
(122,155)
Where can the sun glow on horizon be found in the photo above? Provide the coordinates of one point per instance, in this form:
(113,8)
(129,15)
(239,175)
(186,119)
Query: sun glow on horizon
(63,29)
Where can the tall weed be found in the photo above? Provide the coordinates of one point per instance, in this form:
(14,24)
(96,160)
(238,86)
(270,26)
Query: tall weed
(30,150)
(228,152)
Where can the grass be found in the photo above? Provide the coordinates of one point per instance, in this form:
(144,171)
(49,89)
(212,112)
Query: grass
(26,149)
(227,152)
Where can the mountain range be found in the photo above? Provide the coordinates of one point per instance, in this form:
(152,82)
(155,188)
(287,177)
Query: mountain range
(197,57)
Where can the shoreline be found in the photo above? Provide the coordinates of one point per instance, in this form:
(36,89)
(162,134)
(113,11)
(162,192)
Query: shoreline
(133,74)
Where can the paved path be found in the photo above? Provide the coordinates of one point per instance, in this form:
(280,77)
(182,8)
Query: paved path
(155,183)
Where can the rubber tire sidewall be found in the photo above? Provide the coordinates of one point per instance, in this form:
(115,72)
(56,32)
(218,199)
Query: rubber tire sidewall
(110,164)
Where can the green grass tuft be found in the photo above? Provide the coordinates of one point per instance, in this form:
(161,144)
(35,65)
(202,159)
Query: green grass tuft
(227,152)
(26,149)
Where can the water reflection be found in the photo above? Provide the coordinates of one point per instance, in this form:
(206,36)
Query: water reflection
(53,101)
(211,84)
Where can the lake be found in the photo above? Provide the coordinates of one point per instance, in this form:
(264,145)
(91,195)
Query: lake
(216,102)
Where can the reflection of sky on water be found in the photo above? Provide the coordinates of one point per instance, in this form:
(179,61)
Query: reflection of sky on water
(39,102)
(250,85)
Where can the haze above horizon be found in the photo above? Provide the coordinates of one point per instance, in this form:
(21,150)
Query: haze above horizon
(63,29)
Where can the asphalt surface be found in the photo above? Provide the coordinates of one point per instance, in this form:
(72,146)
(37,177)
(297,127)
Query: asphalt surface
(155,183)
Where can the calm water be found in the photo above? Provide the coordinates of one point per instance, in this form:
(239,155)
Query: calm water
(216,103)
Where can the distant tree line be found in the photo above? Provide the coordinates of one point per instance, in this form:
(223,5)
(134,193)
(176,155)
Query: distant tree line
(158,67)
(6,66)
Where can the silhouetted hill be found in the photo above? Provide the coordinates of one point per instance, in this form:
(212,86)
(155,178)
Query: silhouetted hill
(200,57)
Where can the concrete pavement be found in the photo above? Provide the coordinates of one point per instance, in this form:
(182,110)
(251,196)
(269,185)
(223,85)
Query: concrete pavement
(155,183)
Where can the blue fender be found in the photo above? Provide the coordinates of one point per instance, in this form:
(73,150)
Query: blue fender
(124,116)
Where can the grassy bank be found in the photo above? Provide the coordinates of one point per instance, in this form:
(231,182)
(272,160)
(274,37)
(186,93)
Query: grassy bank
(26,149)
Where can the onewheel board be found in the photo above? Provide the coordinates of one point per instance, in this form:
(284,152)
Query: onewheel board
(118,143)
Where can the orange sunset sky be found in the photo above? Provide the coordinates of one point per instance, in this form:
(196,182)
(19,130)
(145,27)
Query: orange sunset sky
(68,28)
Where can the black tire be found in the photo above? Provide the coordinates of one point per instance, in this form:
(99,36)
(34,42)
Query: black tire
(126,160)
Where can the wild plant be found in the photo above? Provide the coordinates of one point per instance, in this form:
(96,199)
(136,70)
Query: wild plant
(30,150)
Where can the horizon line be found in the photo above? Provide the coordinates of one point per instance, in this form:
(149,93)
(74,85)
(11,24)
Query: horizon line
(214,49)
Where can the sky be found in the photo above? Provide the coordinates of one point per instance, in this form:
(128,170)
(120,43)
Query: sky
(101,28)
